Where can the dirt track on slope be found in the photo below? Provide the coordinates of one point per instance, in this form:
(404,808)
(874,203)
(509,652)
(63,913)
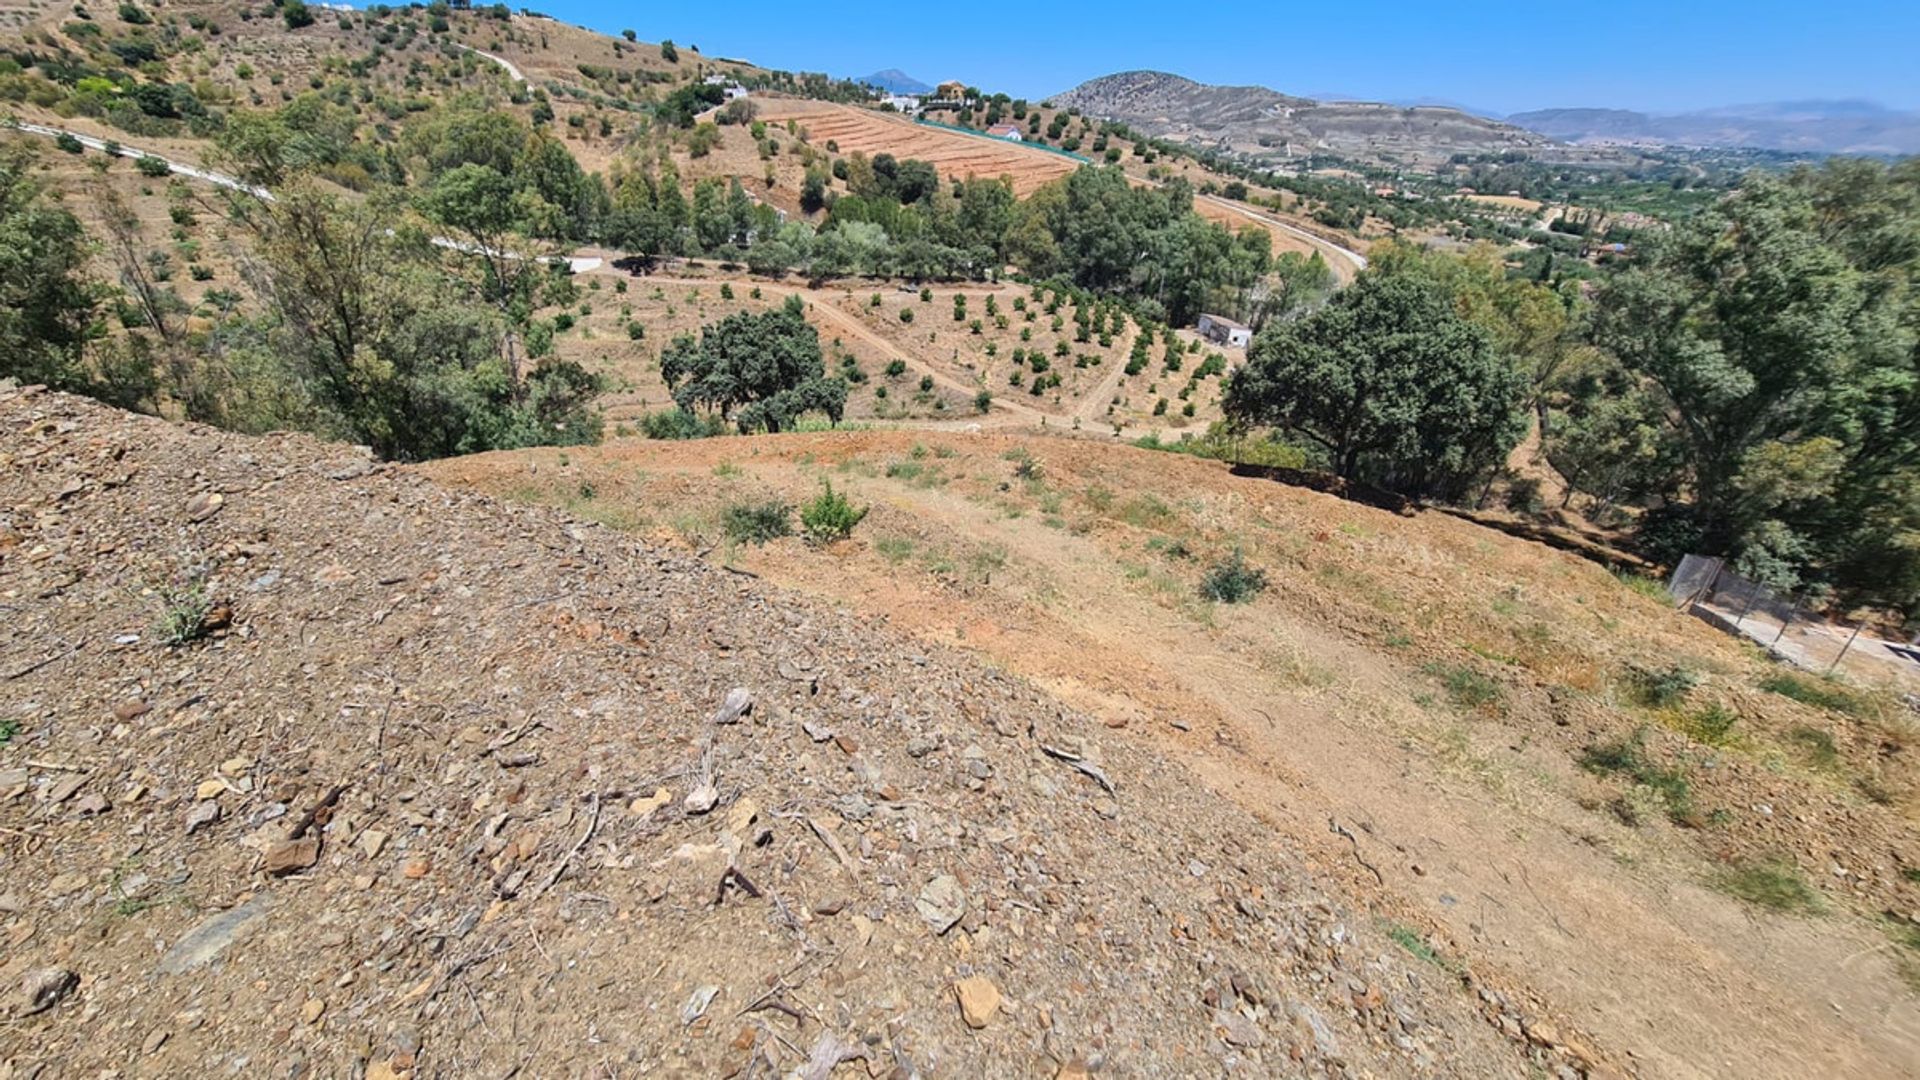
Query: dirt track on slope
(1315,709)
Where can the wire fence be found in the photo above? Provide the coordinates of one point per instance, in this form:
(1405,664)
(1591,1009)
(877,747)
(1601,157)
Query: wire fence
(1788,627)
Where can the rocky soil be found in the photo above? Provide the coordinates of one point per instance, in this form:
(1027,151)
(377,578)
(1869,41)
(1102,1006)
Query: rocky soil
(436,786)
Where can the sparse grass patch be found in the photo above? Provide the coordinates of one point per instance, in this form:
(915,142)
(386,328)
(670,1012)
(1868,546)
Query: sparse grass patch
(1817,746)
(726,470)
(1466,687)
(894,549)
(1146,512)
(1819,693)
(1774,884)
(1651,588)
(1628,758)
(1712,724)
(1409,939)
(757,523)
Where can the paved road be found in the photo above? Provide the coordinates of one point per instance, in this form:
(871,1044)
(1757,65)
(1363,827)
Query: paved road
(1358,260)
(513,73)
(232,183)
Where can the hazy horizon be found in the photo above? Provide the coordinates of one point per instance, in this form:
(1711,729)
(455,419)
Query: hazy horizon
(1499,57)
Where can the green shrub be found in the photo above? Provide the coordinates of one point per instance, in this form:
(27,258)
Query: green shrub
(1233,580)
(150,166)
(184,607)
(681,424)
(757,523)
(1668,686)
(830,516)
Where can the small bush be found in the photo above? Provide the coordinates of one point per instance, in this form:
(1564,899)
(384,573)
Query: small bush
(830,516)
(1233,580)
(149,166)
(757,523)
(681,424)
(184,608)
(1660,689)
(1774,884)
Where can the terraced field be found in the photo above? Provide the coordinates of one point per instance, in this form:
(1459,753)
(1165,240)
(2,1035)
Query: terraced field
(953,154)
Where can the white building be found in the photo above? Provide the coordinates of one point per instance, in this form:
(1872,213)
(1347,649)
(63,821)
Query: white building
(1224,331)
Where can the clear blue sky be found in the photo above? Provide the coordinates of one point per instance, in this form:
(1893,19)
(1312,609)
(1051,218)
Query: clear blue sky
(1495,54)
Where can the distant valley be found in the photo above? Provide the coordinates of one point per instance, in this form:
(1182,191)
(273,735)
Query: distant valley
(1814,127)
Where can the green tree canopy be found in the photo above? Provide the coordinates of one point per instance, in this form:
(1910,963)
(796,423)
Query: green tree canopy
(764,370)
(1390,382)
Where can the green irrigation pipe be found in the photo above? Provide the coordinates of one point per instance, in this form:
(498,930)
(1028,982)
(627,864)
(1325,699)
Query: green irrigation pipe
(998,139)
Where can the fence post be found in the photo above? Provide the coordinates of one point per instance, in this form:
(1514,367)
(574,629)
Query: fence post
(1843,649)
(1788,621)
(1752,595)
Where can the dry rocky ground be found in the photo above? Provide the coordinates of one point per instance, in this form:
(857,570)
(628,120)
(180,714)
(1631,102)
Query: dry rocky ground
(443,787)
(1451,721)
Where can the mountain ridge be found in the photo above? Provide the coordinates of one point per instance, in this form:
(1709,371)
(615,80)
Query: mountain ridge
(1260,122)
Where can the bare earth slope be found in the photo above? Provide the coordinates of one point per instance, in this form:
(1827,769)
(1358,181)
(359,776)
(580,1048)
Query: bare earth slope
(395,812)
(1420,703)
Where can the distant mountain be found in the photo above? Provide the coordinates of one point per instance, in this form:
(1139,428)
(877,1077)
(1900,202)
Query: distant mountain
(895,81)
(1815,127)
(1259,122)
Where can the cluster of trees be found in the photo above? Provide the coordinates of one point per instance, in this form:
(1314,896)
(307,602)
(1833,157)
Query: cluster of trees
(363,329)
(1757,382)
(1748,385)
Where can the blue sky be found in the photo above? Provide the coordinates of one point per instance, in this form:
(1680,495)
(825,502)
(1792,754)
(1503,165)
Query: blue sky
(1494,54)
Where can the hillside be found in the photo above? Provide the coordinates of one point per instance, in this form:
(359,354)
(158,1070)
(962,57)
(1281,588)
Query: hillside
(1798,127)
(1471,709)
(1256,121)
(425,792)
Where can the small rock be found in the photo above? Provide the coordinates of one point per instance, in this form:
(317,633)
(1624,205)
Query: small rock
(311,1012)
(372,842)
(816,732)
(290,856)
(645,805)
(202,815)
(696,1006)
(979,1000)
(131,710)
(1237,1029)
(156,1039)
(942,903)
(1073,1069)
(417,867)
(209,789)
(741,814)
(43,988)
(92,805)
(212,936)
(235,766)
(738,703)
(854,808)
(205,505)
(701,799)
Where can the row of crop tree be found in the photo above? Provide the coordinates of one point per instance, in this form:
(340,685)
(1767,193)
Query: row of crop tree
(1748,385)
